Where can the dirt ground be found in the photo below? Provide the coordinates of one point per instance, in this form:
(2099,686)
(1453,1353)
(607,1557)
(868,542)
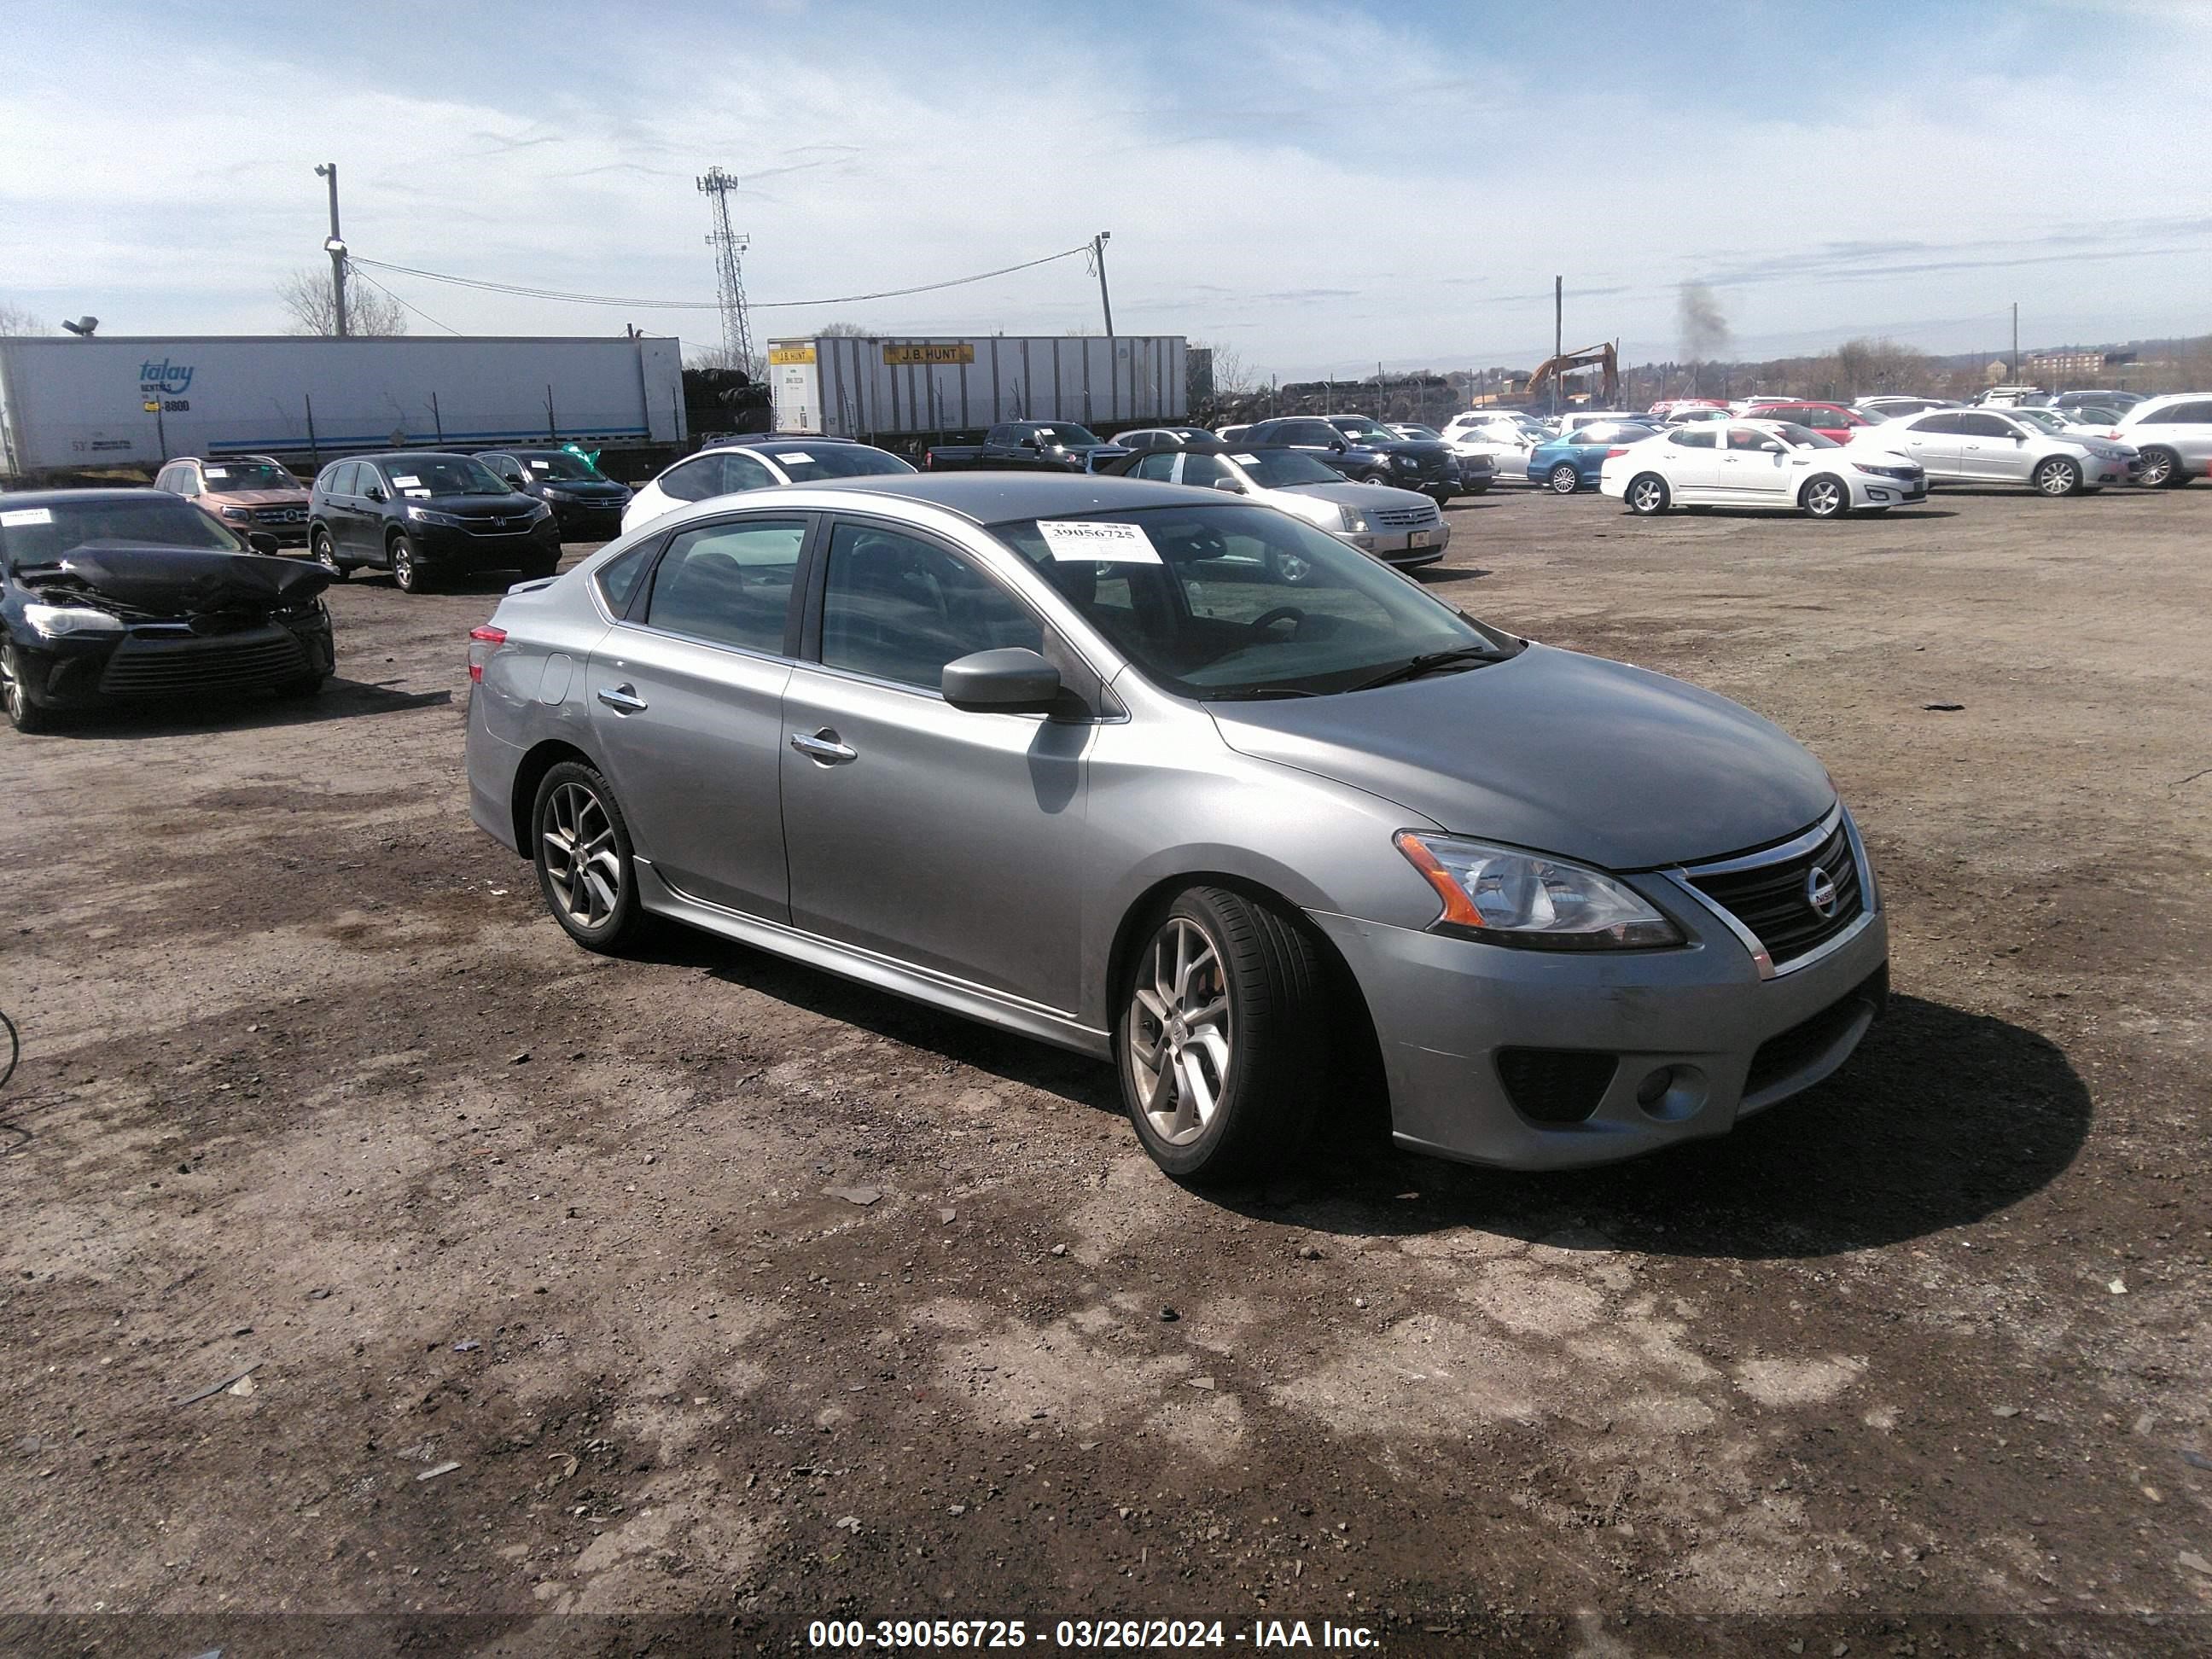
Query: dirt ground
(1917,1362)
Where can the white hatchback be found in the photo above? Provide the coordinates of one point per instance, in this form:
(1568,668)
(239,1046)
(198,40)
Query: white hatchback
(1758,463)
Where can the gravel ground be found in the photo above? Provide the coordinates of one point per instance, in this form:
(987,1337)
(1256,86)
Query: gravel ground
(311,1086)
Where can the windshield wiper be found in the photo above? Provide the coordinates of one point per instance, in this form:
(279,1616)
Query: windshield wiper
(1255,693)
(1425,663)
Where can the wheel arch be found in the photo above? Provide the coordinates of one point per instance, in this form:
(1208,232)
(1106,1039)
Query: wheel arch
(1836,478)
(541,758)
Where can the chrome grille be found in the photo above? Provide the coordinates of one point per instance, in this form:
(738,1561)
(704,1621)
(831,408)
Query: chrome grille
(1405,518)
(1771,899)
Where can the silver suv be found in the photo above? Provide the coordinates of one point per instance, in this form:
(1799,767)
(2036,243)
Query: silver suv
(1079,757)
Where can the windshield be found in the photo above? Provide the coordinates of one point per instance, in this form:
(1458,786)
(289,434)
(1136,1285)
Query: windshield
(223,477)
(1426,433)
(442,475)
(563,466)
(1066,436)
(2047,419)
(41,535)
(1803,437)
(836,461)
(1235,600)
(1365,431)
(1286,469)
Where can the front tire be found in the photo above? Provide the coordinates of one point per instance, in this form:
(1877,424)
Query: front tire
(327,555)
(2162,470)
(26,716)
(1219,1042)
(1647,495)
(1825,498)
(409,574)
(2059,476)
(587,870)
(1563,479)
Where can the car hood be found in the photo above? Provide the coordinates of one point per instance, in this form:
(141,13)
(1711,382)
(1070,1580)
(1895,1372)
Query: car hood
(585,488)
(258,497)
(1379,496)
(177,581)
(505,502)
(1556,751)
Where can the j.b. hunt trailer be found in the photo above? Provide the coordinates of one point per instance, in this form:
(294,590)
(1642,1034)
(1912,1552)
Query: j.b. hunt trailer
(78,405)
(910,386)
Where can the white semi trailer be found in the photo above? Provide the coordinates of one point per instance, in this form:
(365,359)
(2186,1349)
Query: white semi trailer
(71,406)
(909,387)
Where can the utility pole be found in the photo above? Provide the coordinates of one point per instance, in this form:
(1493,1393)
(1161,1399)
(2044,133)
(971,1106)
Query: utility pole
(1098,263)
(730,277)
(1559,334)
(336,248)
(2015,342)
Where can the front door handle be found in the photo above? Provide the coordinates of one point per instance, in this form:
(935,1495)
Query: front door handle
(823,747)
(623,699)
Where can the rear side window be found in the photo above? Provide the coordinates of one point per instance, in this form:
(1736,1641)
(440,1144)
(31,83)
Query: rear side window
(2183,415)
(729,583)
(693,480)
(617,578)
(1939,424)
(1157,465)
(742,473)
(899,608)
(1986,426)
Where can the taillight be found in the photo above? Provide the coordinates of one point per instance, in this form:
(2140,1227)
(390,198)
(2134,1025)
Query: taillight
(482,641)
(1610,454)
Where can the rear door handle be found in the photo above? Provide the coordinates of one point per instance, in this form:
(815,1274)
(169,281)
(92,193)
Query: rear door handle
(623,699)
(824,747)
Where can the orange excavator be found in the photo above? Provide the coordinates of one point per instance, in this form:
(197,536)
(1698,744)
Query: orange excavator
(1600,359)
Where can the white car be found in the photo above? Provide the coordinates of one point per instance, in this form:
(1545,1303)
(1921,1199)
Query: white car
(1696,413)
(1506,439)
(758,463)
(1575,419)
(1755,463)
(1401,527)
(1990,446)
(2173,435)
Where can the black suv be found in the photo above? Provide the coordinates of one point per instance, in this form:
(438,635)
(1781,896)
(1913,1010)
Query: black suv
(586,503)
(1366,450)
(423,515)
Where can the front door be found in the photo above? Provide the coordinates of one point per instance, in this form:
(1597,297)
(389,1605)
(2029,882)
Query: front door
(1991,449)
(686,704)
(1753,473)
(946,840)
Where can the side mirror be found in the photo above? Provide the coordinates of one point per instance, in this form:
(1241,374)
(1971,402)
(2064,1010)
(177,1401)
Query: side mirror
(1010,680)
(261,541)
(1336,446)
(1769,447)
(1229,484)
(375,492)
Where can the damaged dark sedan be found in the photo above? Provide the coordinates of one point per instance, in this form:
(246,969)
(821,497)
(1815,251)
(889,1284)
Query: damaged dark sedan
(110,597)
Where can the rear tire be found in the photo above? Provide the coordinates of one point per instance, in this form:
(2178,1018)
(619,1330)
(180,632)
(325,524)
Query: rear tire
(1563,479)
(1825,498)
(587,870)
(1221,1045)
(2059,476)
(1647,495)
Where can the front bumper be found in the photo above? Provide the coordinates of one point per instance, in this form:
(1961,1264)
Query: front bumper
(449,548)
(158,661)
(585,520)
(1443,1008)
(1423,544)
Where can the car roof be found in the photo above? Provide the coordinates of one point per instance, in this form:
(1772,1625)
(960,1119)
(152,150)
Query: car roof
(12,499)
(990,498)
(780,445)
(410,455)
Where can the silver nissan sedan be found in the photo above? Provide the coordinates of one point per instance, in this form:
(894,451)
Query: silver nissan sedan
(1184,783)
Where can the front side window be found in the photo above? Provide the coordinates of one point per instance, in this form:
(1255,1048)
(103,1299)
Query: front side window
(729,583)
(1234,600)
(1701,438)
(1204,471)
(1939,425)
(1159,466)
(1748,438)
(898,608)
(1987,426)
(1285,469)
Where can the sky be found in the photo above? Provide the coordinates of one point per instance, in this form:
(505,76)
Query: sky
(1320,187)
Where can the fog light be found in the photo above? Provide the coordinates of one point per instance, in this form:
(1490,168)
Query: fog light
(1649,1091)
(1671,1093)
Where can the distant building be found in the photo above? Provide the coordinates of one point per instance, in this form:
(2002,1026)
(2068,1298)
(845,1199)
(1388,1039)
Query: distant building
(2062,365)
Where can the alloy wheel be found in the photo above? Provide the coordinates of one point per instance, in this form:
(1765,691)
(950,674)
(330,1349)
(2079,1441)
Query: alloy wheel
(1647,496)
(1824,498)
(1563,480)
(403,566)
(327,556)
(17,699)
(1179,1032)
(582,868)
(2054,477)
(2157,468)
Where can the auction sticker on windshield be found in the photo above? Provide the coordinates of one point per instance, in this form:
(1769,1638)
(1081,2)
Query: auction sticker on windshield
(23,516)
(795,459)
(1246,460)
(1076,541)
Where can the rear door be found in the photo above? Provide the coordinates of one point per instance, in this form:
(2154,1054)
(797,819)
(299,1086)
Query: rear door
(947,840)
(1931,440)
(686,704)
(1690,460)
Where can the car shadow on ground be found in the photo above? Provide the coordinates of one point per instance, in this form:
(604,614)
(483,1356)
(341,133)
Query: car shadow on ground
(1429,574)
(338,700)
(1942,1118)
(1751,514)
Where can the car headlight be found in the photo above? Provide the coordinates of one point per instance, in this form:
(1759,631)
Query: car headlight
(1507,897)
(1403,460)
(2105,452)
(236,513)
(539,510)
(56,620)
(1355,521)
(1882,471)
(424,515)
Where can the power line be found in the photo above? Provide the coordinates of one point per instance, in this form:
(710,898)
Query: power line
(389,294)
(568,298)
